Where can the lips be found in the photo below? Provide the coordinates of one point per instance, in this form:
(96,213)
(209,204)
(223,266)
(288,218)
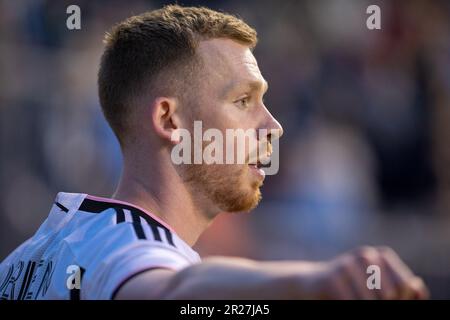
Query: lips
(261,165)
(257,170)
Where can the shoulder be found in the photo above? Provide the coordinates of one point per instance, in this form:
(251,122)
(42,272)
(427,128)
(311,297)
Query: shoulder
(122,221)
(117,241)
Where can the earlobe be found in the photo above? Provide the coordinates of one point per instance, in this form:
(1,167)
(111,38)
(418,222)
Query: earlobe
(165,118)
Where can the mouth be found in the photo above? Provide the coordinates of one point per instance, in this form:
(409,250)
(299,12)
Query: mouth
(257,168)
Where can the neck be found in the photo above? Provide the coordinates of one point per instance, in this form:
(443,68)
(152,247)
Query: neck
(161,191)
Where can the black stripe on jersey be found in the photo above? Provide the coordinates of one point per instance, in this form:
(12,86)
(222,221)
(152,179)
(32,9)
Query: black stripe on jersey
(138,226)
(59,205)
(153,225)
(96,206)
(169,237)
(26,280)
(155,231)
(120,215)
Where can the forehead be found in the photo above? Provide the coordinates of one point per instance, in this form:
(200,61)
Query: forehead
(226,60)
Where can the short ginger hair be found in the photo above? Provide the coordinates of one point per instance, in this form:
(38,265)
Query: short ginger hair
(155,52)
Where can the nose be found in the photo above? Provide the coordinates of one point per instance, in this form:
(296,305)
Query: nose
(273,127)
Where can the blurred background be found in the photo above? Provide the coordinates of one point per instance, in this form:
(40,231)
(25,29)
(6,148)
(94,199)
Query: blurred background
(365,158)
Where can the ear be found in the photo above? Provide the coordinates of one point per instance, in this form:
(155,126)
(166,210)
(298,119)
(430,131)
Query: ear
(165,118)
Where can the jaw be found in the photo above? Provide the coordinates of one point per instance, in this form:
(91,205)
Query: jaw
(223,188)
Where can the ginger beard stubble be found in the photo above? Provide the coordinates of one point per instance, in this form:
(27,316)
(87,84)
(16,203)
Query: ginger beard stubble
(231,187)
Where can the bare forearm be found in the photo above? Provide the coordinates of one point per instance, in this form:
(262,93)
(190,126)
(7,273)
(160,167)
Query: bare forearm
(344,277)
(232,278)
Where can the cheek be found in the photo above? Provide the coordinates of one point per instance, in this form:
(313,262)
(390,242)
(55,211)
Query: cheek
(225,115)
(227,118)
(232,175)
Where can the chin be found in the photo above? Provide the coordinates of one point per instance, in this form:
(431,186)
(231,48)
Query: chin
(241,200)
(229,188)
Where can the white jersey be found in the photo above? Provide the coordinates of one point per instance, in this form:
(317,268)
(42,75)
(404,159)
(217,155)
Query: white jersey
(87,248)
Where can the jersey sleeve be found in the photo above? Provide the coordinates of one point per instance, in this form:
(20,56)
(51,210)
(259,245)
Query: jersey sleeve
(108,277)
(115,255)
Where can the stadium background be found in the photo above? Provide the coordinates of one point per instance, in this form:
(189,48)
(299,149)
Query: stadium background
(364,160)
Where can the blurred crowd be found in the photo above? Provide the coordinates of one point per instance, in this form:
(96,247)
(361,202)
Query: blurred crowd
(365,158)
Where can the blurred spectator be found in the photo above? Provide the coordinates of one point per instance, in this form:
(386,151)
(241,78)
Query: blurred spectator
(364,158)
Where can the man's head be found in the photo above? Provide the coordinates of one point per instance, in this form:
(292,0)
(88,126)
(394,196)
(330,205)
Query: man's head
(165,69)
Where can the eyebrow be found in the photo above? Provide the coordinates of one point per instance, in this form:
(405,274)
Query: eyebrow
(254,85)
